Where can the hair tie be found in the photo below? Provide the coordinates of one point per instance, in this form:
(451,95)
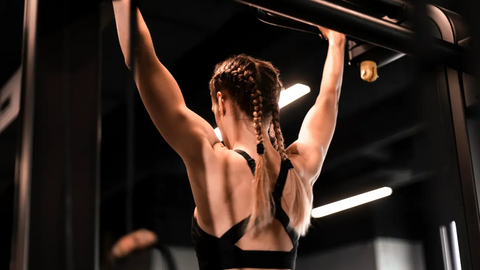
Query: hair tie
(288,163)
(260,149)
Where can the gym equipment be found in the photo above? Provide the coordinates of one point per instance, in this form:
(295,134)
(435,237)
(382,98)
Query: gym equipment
(372,57)
(442,49)
(56,219)
(366,28)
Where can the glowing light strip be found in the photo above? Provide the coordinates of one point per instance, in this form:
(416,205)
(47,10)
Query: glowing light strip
(287,96)
(218,133)
(351,202)
(455,246)
(293,93)
(447,262)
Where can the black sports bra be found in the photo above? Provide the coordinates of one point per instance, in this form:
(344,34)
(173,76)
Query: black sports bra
(214,253)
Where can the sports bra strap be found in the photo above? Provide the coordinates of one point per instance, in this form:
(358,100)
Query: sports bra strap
(282,179)
(248,158)
(236,232)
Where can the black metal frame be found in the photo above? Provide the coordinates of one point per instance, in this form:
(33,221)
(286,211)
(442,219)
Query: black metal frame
(449,133)
(363,27)
(451,31)
(20,232)
(130,93)
(394,9)
(279,21)
(357,53)
(57,169)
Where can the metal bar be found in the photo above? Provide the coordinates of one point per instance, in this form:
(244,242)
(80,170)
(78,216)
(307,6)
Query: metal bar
(394,9)
(23,164)
(466,170)
(361,26)
(130,99)
(280,21)
(285,23)
(41,217)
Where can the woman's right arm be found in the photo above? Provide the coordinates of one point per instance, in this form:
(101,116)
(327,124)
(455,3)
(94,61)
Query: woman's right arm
(319,124)
(186,132)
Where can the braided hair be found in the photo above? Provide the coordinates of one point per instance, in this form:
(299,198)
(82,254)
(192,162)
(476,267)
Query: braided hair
(255,86)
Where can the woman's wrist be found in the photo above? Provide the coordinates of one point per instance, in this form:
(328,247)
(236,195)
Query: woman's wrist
(338,41)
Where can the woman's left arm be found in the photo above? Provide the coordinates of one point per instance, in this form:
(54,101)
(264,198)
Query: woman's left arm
(185,131)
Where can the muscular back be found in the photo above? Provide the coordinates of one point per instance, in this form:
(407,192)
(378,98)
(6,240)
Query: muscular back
(226,199)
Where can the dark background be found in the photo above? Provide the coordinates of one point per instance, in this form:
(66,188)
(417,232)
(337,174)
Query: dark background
(378,141)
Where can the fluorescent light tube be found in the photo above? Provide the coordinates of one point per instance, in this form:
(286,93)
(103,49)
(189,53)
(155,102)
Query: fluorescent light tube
(351,202)
(457,265)
(293,93)
(218,133)
(287,96)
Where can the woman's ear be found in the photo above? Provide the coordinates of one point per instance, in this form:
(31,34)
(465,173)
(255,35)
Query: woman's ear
(221,103)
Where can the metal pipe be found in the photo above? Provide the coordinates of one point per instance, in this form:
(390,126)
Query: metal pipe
(130,136)
(278,21)
(394,9)
(358,25)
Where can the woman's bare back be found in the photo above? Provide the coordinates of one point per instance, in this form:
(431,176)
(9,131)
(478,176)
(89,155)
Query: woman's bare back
(227,200)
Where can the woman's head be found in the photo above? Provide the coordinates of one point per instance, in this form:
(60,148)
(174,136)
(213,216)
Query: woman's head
(249,85)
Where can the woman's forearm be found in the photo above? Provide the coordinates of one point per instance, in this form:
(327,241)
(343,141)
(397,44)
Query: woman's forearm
(333,70)
(144,43)
(157,87)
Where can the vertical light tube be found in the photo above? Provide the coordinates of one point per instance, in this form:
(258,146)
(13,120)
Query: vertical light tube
(457,265)
(447,262)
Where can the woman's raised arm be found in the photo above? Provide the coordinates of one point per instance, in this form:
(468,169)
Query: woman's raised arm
(319,124)
(186,132)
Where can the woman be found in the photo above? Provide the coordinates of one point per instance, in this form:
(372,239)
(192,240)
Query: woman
(241,220)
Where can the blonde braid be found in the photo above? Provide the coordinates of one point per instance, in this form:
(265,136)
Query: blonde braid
(257,119)
(263,205)
(271,134)
(279,141)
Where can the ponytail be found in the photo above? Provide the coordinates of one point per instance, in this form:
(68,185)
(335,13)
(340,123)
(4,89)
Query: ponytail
(262,203)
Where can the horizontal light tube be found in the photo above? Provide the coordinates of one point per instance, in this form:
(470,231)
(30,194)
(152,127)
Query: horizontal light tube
(351,202)
(293,93)
(287,96)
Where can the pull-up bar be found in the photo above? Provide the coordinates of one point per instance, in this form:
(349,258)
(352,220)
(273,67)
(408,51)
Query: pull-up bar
(360,26)
(395,9)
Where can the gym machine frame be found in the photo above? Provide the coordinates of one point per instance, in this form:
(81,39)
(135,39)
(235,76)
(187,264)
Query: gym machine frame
(56,211)
(448,56)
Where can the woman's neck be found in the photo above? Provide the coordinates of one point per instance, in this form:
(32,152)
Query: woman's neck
(242,136)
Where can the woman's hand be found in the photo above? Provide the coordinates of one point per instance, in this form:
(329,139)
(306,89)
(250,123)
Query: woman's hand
(137,240)
(334,38)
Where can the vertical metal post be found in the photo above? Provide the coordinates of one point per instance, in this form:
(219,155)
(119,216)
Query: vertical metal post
(130,99)
(20,232)
(57,165)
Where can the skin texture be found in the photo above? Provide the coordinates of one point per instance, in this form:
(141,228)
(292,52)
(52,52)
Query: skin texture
(220,179)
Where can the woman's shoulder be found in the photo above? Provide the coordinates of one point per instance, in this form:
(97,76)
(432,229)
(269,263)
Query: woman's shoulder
(299,166)
(228,159)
